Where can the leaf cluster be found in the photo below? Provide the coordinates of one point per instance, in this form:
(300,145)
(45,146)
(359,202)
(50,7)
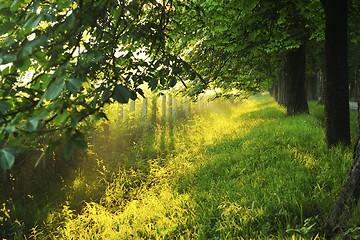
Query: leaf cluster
(63,61)
(240,44)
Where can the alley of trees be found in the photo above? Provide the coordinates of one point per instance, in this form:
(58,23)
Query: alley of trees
(62,63)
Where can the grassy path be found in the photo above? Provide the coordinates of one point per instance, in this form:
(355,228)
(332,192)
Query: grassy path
(247,172)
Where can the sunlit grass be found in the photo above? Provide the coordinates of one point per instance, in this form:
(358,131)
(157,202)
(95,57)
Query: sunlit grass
(237,172)
(244,172)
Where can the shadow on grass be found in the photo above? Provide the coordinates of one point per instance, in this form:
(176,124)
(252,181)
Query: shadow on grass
(268,182)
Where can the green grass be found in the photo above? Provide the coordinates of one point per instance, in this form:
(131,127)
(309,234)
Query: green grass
(243,172)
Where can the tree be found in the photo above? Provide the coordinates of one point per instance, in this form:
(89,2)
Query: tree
(295,75)
(336,87)
(243,44)
(240,41)
(348,198)
(62,61)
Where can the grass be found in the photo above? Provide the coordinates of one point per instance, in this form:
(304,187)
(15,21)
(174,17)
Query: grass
(242,172)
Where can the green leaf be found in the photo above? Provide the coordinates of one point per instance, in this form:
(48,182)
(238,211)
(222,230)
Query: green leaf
(52,146)
(42,115)
(99,115)
(14,149)
(49,17)
(40,56)
(32,125)
(69,23)
(105,95)
(54,89)
(45,79)
(13,5)
(9,41)
(121,94)
(10,129)
(141,92)
(153,83)
(162,81)
(98,57)
(118,12)
(80,143)
(172,82)
(4,106)
(7,160)
(26,64)
(9,57)
(32,22)
(76,117)
(19,62)
(133,96)
(27,50)
(69,149)
(62,117)
(73,84)
(36,22)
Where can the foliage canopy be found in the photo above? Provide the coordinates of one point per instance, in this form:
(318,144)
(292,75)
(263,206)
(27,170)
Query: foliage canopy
(239,44)
(62,61)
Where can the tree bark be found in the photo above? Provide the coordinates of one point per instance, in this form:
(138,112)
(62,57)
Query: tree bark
(337,120)
(281,88)
(322,87)
(296,101)
(312,87)
(337,123)
(348,198)
(350,193)
(276,92)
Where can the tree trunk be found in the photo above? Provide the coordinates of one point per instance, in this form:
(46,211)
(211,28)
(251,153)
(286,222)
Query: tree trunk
(312,87)
(357,80)
(337,107)
(337,120)
(348,197)
(296,101)
(322,87)
(281,88)
(274,91)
